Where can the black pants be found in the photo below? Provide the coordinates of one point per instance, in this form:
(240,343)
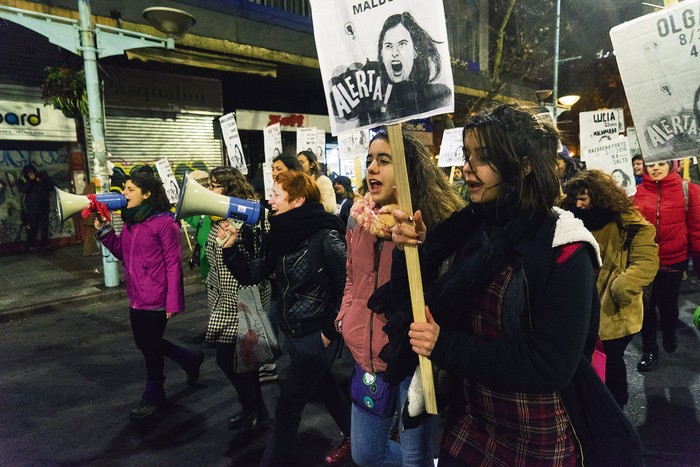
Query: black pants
(38,223)
(615,369)
(664,296)
(148,327)
(309,372)
(247,384)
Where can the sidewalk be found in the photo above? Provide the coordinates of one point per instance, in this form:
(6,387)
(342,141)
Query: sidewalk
(32,284)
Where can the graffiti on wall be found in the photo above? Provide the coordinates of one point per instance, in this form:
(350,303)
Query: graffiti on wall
(122,170)
(55,164)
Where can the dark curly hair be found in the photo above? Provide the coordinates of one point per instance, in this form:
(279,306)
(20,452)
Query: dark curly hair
(514,139)
(602,190)
(146,181)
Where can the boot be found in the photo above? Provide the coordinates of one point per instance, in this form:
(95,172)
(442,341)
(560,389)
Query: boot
(249,419)
(340,454)
(192,369)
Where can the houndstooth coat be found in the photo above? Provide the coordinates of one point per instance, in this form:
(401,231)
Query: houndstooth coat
(222,287)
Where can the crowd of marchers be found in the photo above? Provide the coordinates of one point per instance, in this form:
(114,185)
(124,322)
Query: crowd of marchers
(537,273)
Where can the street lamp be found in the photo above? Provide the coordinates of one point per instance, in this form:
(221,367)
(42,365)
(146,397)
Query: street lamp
(90,42)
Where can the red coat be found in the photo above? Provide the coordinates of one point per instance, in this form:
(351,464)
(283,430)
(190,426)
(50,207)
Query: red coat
(663,204)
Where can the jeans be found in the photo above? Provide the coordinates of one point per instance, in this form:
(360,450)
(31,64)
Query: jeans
(309,373)
(148,327)
(664,295)
(370,441)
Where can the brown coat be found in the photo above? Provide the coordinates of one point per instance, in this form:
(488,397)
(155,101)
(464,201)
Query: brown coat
(623,274)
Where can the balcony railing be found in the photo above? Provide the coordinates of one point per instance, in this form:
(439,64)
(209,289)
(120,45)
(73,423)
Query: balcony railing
(299,7)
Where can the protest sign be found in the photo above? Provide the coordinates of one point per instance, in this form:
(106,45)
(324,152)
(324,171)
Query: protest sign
(451,149)
(353,144)
(306,139)
(272,140)
(600,125)
(165,172)
(233,142)
(613,157)
(659,60)
(382,61)
(320,145)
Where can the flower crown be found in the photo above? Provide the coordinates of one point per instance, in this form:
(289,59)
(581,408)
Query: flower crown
(368,215)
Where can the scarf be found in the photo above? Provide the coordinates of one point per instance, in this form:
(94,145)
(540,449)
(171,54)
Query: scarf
(138,213)
(458,183)
(289,229)
(366,213)
(594,218)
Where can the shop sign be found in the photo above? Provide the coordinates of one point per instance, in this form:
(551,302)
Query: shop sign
(261,119)
(33,121)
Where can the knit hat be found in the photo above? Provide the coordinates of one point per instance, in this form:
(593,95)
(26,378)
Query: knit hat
(344,181)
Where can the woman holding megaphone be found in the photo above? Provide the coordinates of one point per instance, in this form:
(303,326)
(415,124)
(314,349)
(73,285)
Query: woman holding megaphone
(300,230)
(149,246)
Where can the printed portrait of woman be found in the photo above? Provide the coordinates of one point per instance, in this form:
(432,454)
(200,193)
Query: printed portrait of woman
(621,178)
(410,62)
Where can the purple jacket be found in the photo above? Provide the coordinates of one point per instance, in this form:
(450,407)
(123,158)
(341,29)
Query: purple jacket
(152,258)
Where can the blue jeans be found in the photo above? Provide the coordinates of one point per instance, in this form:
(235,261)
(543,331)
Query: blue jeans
(370,441)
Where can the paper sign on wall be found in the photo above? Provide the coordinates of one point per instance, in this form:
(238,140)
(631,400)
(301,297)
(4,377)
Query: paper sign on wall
(272,140)
(659,60)
(234,148)
(382,61)
(353,144)
(451,149)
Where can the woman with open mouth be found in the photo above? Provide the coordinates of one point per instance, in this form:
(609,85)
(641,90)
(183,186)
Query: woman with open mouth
(514,320)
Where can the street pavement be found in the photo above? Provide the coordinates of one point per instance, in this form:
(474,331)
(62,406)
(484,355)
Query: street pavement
(71,373)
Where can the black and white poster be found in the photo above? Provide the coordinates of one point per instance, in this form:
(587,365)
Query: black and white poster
(233,142)
(382,61)
(659,60)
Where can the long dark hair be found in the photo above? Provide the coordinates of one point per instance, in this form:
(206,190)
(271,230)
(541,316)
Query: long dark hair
(233,182)
(522,149)
(426,53)
(148,183)
(291,162)
(314,169)
(602,190)
(430,188)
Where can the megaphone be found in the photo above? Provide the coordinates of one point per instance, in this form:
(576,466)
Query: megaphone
(68,204)
(195,200)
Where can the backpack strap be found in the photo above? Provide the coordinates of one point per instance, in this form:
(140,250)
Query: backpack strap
(631,230)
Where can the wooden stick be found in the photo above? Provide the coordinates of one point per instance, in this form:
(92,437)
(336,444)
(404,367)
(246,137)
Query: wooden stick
(452,175)
(415,282)
(187,236)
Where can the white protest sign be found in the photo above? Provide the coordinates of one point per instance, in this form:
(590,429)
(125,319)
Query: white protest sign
(659,60)
(272,140)
(600,125)
(382,61)
(165,172)
(613,157)
(233,142)
(353,144)
(451,149)
(306,140)
(320,145)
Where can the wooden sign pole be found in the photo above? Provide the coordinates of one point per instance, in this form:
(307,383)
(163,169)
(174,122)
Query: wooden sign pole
(415,282)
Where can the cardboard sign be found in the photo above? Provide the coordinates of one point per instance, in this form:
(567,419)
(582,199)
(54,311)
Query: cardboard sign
(451,149)
(382,61)
(165,172)
(659,60)
(353,144)
(272,139)
(234,148)
(613,157)
(600,125)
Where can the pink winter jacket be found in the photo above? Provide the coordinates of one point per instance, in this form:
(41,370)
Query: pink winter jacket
(152,258)
(362,329)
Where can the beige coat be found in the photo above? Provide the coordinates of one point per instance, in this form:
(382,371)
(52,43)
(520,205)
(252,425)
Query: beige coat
(623,274)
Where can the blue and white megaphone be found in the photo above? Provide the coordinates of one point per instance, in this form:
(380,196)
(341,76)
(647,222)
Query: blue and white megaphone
(195,200)
(68,204)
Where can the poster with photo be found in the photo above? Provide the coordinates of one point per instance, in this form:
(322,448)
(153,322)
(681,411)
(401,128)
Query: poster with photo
(167,177)
(659,60)
(320,150)
(451,149)
(613,157)
(272,141)
(234,148)
(353,144)
(306,139)
(382,61)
